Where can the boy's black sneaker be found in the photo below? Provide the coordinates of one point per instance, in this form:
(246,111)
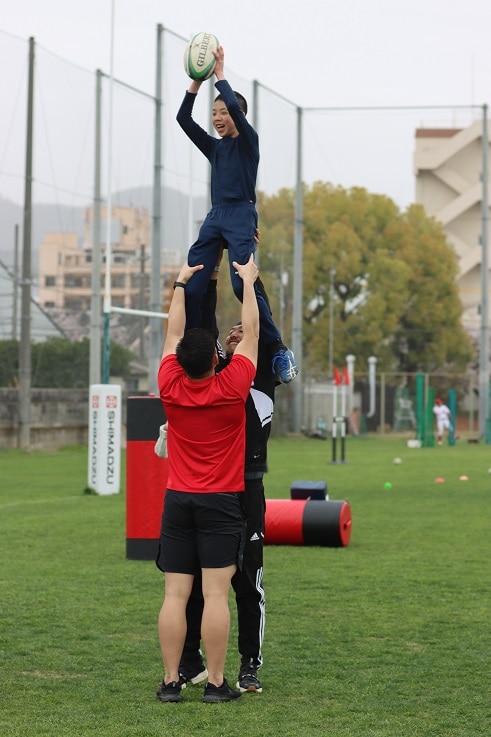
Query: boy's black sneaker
(169,692)
(248,681)
(193,673)
(216,694)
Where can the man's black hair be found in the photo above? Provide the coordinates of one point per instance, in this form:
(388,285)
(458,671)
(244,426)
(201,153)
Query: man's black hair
(240,99)
(195,352)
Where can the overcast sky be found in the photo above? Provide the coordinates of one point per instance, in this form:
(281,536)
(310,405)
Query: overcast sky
(315,53)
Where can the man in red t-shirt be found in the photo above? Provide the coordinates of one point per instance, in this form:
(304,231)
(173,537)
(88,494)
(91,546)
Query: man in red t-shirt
(203,524)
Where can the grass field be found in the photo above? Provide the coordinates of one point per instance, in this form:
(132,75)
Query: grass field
(387,637)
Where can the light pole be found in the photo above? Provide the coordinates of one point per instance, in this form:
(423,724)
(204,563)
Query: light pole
(332,274)
(484,332)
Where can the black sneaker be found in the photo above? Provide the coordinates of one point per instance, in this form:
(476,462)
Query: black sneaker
(193,673)
(169,692)
(248,681)
(216,694)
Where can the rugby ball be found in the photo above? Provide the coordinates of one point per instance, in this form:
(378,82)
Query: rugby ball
(199,62)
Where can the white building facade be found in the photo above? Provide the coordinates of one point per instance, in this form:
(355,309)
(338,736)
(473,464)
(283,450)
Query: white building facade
(448,164)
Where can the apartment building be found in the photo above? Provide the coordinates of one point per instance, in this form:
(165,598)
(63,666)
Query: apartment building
(65,264)
(448,164)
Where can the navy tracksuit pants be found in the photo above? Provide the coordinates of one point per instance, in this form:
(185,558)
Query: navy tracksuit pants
(233,224)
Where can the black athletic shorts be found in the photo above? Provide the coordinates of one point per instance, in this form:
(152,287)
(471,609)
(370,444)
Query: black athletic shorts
(201,531)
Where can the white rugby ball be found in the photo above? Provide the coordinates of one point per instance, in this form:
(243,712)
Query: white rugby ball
(199,62)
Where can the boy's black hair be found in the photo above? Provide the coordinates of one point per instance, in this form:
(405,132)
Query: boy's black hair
(240,99)
(195,352)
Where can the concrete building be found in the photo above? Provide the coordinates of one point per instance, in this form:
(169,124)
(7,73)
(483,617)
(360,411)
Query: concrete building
(65,265)
(448,168)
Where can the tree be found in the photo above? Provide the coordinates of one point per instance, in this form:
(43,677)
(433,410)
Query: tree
(58,363)
(9,363)
(395,292)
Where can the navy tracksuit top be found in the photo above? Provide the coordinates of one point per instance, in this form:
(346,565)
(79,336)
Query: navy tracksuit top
(233,217)
(234,161)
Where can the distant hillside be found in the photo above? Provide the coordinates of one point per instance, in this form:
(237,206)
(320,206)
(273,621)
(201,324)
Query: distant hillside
(63,218)
(45,218)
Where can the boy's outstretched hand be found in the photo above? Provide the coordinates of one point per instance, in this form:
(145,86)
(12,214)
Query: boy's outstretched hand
(219,55)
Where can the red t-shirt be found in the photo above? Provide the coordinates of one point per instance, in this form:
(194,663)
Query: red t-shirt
(206,432)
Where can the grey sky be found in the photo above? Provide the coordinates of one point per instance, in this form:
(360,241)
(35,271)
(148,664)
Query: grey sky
(316,54)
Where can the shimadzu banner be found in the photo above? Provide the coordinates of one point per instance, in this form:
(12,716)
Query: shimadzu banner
(104,438)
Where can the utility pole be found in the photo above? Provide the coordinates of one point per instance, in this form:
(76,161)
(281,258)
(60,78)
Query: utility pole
(255,125)
(25,328)
(106,354)
(155,346)
(142,301)
(95,282)
(298,284)
(484,333)
(15,306)
(332,274)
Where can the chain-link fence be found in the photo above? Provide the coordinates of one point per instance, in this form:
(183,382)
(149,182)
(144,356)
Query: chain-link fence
(366,147)
(388,405)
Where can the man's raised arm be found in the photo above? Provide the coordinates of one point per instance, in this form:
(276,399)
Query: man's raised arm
(250,314)
(176,322)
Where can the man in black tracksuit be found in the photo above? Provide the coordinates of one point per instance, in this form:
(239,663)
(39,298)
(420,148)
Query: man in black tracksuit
(247,583)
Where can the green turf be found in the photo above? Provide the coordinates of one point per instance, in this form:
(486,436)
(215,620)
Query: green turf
(388,637)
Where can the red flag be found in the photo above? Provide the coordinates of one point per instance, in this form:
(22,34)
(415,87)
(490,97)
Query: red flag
(345,376)
(337,377)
